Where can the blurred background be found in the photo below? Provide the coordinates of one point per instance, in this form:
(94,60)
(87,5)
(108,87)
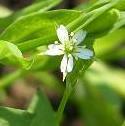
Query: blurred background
(99,98)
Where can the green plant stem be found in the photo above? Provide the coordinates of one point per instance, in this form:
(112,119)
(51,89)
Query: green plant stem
(64,100)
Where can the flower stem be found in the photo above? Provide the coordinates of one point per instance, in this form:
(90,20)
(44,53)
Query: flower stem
(64,100)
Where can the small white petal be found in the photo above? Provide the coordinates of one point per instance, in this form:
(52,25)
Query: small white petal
(62,34)
(64,75)
(79,36)
(70,64)
(64,62)
(54,46)
(63,66)
(53,52)
(84,53)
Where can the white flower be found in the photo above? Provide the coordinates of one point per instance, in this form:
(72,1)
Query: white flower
(68,47)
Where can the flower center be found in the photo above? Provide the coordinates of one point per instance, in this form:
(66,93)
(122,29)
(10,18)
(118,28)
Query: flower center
(69,47)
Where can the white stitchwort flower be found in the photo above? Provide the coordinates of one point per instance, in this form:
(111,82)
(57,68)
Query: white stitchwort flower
(68,47)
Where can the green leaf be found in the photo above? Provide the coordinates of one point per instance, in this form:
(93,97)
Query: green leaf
(10,54)
(94,16)
(103,22)
(38,25)
(39,6)
(120,23)
(109,45)
(100,74)
(120,5)
(46,22)
(123,124)
(39,113)
(14,117)
(94,110)
(44,115)
(91,5)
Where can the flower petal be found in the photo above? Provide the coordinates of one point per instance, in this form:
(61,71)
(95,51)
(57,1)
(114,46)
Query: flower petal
(53,52)
(64,75)
(51,46)
(62,34)
(54,46)
(64,62)
(84,53)
(70,64)
(79,36)
(63,66)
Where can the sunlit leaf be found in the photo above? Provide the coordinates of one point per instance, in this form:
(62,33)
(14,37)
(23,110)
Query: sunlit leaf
(38,25)
(10,54)
(120,23)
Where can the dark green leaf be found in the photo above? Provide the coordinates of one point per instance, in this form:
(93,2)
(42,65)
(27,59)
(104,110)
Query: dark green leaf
(14,117)
(44,115)
(39,113)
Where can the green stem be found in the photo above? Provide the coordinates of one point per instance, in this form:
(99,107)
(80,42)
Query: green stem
(64,100)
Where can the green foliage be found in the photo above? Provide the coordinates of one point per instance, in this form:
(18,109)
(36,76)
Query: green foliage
(123,124)
(10,54)
(31,29)
(120,23)
(101,24)
(10,117)
(38,113)
(102,75)
(110,45)
(31,37)
(94,114)
(38,6)
(35,25)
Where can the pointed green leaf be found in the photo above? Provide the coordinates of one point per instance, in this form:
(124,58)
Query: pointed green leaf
(14,117)
(39,113)
(37,25)
(10,54)
(44,115)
